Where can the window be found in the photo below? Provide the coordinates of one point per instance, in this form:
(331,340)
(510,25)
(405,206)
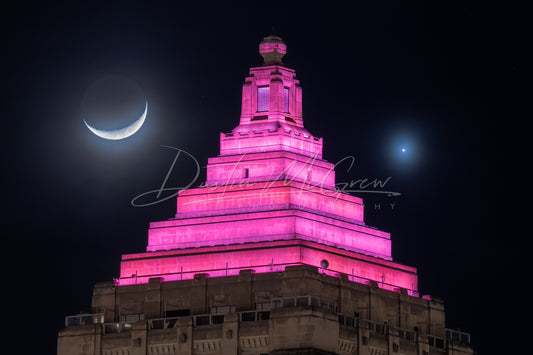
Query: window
(302,301)
(131,317)
(349,321)
(263,94)
(263,315)
(201,320)
(217,319)
(177,313)
(248,316)
(409,335)
(286,100)
(380,329)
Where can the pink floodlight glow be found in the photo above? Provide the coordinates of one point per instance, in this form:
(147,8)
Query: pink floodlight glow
(272,47)
(284,101)
(281,220)
(268,141)
(262,196)
(269,202)
(270,166)
(263,257)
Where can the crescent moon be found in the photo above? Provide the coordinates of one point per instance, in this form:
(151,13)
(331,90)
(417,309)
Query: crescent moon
(121,133)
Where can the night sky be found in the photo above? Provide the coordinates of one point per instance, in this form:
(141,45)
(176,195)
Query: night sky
(448,81)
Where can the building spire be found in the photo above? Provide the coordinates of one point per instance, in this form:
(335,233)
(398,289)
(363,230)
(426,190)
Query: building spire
(271,112)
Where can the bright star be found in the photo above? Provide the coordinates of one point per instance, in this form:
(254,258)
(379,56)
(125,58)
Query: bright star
(403,150)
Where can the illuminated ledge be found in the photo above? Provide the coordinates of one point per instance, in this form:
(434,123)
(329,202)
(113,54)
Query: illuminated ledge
(267,238)
(262,196)
(267,131)
(284,206)
(264,188)
(267,140)
(270,166)
(313,161)
(263,257)
(265,226)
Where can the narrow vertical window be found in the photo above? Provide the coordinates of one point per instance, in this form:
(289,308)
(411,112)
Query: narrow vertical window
(263,98)
(286,100)
(246,173)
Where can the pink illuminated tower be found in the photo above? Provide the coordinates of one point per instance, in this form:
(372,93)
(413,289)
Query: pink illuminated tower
(269,201)
(267,227)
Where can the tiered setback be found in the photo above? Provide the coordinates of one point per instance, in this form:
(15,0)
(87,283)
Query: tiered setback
(270,166)
(266,226)
(269,202)
(266,223)
(268,211)
(265,137)
(252,197)
(264,257)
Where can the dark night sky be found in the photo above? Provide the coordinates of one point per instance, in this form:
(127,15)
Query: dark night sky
(451,77)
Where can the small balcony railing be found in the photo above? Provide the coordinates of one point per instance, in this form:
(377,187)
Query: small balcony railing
(451,336)
(262,312)
(84,319)
(457,336)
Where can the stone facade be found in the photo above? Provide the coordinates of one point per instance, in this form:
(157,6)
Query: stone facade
(298,311)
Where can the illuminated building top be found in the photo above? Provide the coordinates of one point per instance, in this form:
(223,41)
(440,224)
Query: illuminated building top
(271,110)
(269,201)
